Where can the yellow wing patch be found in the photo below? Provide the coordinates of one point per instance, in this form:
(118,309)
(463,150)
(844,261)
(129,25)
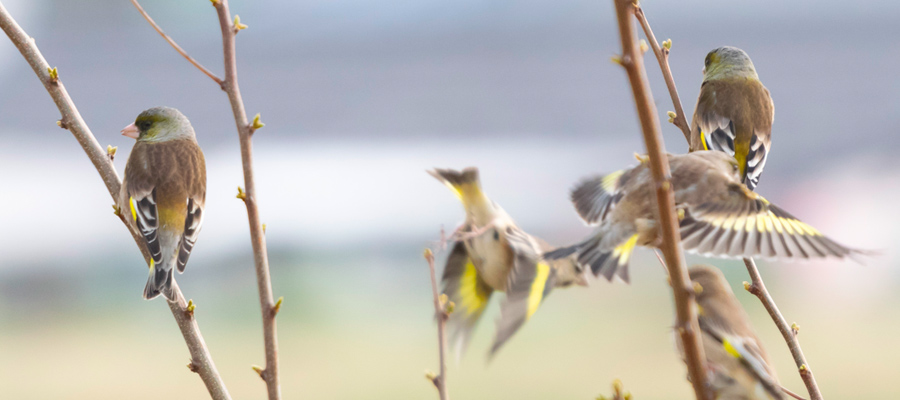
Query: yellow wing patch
(624,250)
(537,288)
(703,141)
(730,349)
(610,181)
(472,298)
(133,211)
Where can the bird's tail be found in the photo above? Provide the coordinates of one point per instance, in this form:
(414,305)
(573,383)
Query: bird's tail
(608,263)
(160,282)
(465,184)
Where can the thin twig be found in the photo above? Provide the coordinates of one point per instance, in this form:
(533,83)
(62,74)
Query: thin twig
(758,288)
(201,361)
(758,285)
(176,46)
(685,310)
(662,55)
(257,236)
(440,310)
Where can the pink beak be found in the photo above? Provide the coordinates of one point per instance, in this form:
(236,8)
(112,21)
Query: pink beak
(131,131)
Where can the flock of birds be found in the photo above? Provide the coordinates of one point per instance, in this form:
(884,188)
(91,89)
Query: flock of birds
(720,216)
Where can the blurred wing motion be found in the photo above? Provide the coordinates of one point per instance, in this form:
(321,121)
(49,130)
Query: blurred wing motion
(746,351)
(744,224)
(595,197)
(465,288)
(528,284)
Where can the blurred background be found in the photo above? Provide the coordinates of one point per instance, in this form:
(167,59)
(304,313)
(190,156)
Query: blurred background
(359,99)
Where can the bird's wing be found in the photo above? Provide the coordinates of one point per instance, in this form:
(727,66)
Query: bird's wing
(192,223)
(467,290)
(142,205)
(716,132)
(595,197)
(744,224)
(528,284)
(747,352)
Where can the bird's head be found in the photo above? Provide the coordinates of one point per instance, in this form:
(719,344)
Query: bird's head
(159,124)
(728,62)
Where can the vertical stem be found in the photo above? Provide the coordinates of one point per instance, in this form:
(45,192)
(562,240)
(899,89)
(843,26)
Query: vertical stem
(257,238)
(685,310)
(440,311)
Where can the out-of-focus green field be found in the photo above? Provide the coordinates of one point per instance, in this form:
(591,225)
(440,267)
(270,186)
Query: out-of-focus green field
(362,328)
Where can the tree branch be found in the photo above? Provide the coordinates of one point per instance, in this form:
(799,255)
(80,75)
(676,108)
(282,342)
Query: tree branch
(201,361)
(176,46)
(442,309)
(662,55)
(685,310)
(257,236)
(758,287)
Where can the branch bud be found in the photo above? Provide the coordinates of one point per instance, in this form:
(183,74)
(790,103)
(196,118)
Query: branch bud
(54,74)
(672,116)
(616,59)
(667,44)
(241,195)
(238,26)
(189,311)
(111,151)
(256,124)
(193,367)
(277,306)
(428,254)
(747,286)
(215,3)
(795,329)
(259,371)
(116,210)
(644,46)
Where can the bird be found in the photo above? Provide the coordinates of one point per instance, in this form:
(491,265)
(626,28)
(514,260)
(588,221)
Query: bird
(734,112)
(164,192)
(718,216)
(737,365)
(491,253)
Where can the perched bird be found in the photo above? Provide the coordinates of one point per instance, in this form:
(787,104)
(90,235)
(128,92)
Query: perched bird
(734,112)
(738,367)
(164,191)
(719,216)
(492,254)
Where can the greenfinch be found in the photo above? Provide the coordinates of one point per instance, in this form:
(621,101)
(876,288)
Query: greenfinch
(737,364)
(491,253)
(164,192)
(718,215)
(734,112)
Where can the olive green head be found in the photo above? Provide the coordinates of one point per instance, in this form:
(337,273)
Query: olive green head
(728,62)
(160,124)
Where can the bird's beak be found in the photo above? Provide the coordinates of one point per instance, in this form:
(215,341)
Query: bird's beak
(131,131)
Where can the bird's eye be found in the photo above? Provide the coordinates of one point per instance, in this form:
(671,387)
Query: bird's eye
(496,235)
(707,61)
(144,125)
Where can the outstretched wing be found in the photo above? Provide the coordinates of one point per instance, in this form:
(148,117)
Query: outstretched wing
(192,223)
(595,197)
(528,284)
(743,224)
(142,203)
(467,290)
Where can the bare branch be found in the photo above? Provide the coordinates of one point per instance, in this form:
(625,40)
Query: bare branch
(662,55)
(257,235)
(442,309)
(201,361)
(685,310)
(176,46)
(758,289)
